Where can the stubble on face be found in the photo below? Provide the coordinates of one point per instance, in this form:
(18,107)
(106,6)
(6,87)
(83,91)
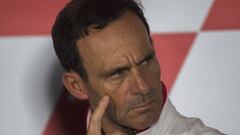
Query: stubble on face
(120,62)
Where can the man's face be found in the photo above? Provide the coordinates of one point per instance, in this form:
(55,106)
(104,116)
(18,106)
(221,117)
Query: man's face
(120,62)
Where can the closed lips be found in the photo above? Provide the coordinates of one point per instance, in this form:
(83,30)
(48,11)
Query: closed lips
(144,104)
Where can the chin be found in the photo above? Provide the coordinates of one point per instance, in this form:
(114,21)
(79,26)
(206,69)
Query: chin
(143,122)
(146,124)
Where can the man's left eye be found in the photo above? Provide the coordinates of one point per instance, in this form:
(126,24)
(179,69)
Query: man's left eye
(146,61)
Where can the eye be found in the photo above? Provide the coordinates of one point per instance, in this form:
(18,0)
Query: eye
(118,74)
(147,60)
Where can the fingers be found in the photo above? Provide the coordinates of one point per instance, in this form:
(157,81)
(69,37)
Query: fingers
(95,122)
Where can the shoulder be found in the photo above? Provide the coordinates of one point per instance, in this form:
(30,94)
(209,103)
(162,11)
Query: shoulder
(172,122)
(190,126)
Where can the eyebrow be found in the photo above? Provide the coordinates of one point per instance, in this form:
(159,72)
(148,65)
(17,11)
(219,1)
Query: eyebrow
(109,71)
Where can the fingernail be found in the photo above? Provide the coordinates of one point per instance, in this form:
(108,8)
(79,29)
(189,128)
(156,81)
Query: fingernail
(105,98)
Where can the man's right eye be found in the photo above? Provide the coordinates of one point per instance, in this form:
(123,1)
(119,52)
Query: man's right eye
(118,74)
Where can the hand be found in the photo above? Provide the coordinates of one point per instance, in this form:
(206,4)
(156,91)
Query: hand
(99,122)
(95,123)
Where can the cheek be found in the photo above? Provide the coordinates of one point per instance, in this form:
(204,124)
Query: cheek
(93,97)
(117,109)
(119,104)
(95,91)
(152,75)
(156,69)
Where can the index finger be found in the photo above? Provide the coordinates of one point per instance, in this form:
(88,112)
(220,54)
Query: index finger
(96,118)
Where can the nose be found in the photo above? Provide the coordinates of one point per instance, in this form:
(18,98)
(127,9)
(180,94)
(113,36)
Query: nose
(140,84)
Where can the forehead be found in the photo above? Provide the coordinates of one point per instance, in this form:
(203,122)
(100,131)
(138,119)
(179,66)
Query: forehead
(125,36)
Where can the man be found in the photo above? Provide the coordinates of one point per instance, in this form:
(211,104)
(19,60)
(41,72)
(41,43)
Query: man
(106,49)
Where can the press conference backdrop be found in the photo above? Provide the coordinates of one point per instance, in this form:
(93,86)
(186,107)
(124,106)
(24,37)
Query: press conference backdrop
(197,43)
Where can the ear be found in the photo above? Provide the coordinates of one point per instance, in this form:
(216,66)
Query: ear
(75,85)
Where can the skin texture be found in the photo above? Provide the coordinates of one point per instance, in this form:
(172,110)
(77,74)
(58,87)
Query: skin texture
(120,62)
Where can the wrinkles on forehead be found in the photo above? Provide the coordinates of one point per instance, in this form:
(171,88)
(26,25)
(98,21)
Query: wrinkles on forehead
(107,47)
(102,53)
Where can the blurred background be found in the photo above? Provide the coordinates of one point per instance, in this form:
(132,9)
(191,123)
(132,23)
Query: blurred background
(198,47)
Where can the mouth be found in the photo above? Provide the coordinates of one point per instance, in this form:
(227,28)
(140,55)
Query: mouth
(144,106)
